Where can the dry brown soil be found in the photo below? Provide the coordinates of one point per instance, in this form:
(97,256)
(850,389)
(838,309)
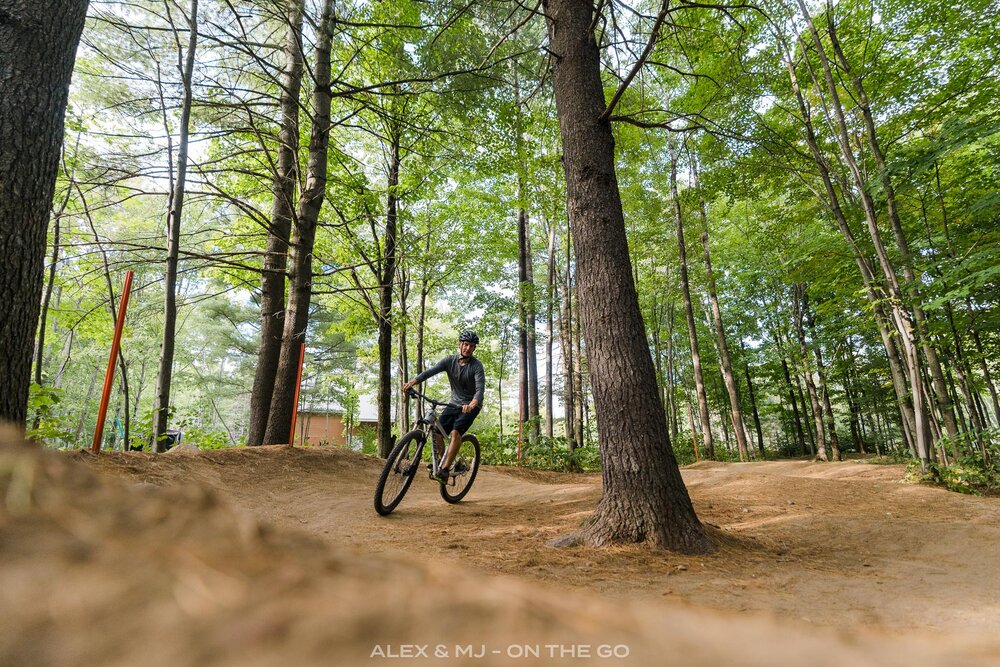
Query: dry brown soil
(275,555)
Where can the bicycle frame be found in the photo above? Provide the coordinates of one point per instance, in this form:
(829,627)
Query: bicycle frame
(429,424)
(406,458)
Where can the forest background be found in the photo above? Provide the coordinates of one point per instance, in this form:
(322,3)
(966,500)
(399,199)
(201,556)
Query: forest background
(810,192)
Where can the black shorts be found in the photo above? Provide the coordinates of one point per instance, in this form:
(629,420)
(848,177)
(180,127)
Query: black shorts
(454,418)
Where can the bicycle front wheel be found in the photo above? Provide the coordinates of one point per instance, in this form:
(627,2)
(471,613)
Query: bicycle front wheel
(463,470)
(400,469)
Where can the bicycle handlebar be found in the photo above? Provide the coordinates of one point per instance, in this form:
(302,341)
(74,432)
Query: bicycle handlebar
(415,394)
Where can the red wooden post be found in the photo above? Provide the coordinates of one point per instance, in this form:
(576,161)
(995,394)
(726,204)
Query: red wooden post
(109,377)
(298,386)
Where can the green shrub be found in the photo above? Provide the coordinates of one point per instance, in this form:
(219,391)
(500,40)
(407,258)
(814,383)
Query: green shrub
(546,454)
(975,471)
(45,424)
(369,440)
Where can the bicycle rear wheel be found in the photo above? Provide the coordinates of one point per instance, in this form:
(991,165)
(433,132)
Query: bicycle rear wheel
(400,469)
(463,470)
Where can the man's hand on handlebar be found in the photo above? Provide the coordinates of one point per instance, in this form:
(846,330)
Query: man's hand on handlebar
(408,386)
(469,407)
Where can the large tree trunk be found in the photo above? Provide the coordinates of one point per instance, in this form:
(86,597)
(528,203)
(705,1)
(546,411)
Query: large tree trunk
(699,377)
(732,388)
(272,280)
(161,409)
(38,42)
(644,496)
(303,238)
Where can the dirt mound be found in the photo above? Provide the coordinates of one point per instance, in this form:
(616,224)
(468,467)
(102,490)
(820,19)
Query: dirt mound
(101,571)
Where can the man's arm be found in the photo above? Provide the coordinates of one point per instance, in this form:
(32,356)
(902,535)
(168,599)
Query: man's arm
(480,383)
(439,367)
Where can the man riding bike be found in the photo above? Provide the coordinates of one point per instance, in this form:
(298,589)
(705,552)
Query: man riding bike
(468,382)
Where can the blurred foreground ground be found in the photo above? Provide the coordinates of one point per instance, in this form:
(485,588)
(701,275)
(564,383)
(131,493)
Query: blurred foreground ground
(274,555)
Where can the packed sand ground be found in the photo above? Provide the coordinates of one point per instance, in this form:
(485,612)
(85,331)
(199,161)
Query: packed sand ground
(275,555)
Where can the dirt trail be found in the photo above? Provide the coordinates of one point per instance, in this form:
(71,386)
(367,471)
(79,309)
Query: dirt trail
(837,562)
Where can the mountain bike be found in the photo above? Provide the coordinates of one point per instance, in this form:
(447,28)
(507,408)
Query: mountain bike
(406,458)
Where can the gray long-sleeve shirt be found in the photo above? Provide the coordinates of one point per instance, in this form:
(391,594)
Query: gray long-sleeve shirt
(467,382)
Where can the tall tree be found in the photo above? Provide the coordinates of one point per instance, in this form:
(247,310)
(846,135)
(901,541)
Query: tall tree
(161,408)
(699,378)
(38,40)
(303,239)
(272,279)
(732,387)
(644,496)
(386,280)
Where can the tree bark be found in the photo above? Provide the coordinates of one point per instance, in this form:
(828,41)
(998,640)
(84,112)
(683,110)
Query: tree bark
(38,40)
(161,410)
(310,202)
(272,287)
(644,496)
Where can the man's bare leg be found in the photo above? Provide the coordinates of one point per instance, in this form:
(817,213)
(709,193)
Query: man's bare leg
(453,446)
(438,445)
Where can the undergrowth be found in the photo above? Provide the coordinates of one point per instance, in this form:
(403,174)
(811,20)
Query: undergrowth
(974,466)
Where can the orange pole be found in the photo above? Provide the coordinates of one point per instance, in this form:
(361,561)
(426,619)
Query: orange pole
(298,386)
(109,377)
